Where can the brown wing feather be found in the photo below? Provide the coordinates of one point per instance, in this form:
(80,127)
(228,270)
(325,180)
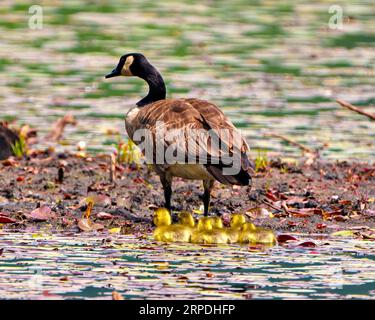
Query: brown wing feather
(185,114)
(215,118)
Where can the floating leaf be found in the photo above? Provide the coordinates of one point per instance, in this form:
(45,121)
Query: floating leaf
(368,235)
(343,233)
(285,237)
(114,230)
(307,244)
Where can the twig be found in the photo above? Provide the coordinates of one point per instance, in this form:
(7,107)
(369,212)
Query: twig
(58,127)
(353,108)
(285,207)
(295,143)
(112,167)
(271,205)
(60,175)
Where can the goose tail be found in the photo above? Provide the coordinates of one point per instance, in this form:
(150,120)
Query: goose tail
(242,178)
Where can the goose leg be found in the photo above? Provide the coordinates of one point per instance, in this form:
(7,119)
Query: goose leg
(208,185)
(166,181)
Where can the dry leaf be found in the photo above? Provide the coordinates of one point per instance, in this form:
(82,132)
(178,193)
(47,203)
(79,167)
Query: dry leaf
(259,213)
(5,219)
(88,225)
(104,216)
(124,202)
(3,200)
(40,214)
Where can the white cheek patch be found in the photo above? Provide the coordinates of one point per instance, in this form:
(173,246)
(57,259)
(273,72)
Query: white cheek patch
(126,68)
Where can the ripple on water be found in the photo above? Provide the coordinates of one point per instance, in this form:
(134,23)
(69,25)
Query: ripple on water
(85,266)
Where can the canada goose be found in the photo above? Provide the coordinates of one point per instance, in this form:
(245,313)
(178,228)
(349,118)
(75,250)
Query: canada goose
(183,115)
(167,232)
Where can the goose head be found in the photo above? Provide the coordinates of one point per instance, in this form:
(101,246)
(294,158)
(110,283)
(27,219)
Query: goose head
(136,65)
(131,64)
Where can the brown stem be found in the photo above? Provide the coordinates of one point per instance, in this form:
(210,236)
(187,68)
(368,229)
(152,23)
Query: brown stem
(271,205)
(88,210)
(353,108)
(295,143)
(112,168)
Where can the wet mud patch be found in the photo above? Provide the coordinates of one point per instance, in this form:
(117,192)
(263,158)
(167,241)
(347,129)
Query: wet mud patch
(321,198)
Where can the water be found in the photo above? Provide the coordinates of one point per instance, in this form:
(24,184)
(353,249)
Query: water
(76,266)
(271,66)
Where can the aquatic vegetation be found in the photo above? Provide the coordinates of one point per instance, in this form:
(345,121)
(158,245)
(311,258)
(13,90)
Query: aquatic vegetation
(261,161)
(352,40)
(128,153)
(19,148)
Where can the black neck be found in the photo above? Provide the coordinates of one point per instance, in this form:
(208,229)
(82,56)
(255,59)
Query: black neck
(156,85)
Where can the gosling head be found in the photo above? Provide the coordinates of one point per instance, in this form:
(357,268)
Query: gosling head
(237,220)
(186,219)
(248,226)
(216,222)
(131,64)
(162,217)
(204,224)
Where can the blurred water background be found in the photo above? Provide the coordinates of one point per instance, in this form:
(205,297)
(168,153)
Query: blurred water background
(271,66)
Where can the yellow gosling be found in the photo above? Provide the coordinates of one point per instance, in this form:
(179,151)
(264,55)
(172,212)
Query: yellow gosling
(216,222)
(185,218)
(236,222)
(209,231)
(166,232)
(252,234)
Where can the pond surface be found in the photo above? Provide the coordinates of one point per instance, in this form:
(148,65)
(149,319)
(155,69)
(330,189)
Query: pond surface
(271,66)
(76,266)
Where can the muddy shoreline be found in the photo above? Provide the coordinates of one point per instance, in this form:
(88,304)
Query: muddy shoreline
(321,198)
